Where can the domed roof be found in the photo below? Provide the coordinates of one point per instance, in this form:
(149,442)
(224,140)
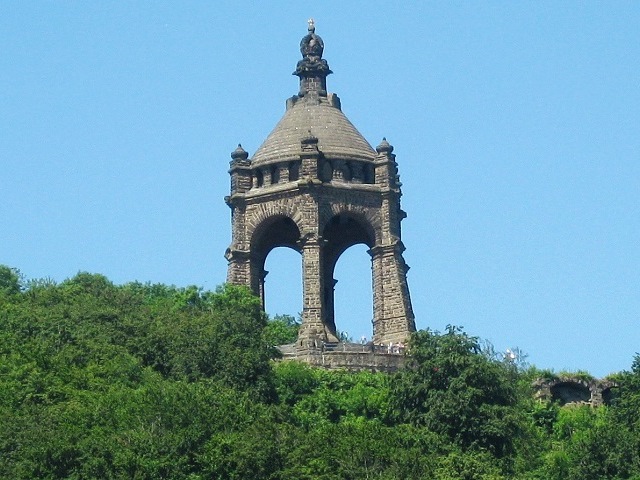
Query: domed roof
(313,112)
(337,137)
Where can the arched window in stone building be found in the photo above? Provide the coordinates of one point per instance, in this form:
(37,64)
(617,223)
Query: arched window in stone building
(369,174)
(275,174)
(294,171)
(326,171)
(259,178)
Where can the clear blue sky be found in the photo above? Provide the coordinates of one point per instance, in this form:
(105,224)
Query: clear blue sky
(516,127)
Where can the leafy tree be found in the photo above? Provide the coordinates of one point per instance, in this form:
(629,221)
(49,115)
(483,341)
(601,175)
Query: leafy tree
(586,444)
(340,395)
(154,381)
(249,443)
(10,280)
(470,465)
(626,403)
(294,381)
(451,388)
(281,330)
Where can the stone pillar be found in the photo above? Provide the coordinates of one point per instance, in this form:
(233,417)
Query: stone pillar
(283,172)
(239,270)
(266,176)
(312,289)
(377,288)
(256,178)
(338,170)
(393,317)
(313,330)
(309,158)
(263,275)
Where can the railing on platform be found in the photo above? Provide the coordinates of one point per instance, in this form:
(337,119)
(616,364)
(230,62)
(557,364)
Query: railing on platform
(346,347)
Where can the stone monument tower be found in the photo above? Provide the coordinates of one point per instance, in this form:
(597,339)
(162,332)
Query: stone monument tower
(317,186)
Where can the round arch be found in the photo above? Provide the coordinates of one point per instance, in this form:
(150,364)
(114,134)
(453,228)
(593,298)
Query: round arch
(364,216)
(283,282)
(353,293)
(275,231)
(341,232)
(570,391)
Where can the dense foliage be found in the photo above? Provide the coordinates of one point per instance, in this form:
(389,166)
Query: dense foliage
(150,381)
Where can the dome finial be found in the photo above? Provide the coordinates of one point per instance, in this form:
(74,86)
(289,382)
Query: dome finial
(311,45)
(312,69)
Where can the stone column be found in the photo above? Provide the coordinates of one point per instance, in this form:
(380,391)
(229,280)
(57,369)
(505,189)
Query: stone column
(393,317)
(266,176)
(338,170)
(256,182)
(309,158)
(239,269)
(263,275)
(313,330)
(377,287)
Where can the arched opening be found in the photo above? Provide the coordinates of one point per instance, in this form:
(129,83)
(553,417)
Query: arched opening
(294,171)
(325,171)
(283,282)
(341,233)
(274,232)
(347,173)
(353,296)
(369,174)
(570,392)
(275,174)
(608,394)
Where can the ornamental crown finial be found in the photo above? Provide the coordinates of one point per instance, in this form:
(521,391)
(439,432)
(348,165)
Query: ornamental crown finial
(312,69)
(311,45)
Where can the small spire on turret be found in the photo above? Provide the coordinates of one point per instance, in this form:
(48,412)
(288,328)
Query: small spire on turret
(384,147)
(239,153)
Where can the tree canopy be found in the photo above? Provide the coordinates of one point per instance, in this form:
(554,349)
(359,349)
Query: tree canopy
(152,381)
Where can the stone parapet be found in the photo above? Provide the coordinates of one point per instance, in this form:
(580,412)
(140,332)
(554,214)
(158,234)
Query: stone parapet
(346,356)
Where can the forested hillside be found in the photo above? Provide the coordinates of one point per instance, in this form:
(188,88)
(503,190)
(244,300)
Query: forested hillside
(142,381)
